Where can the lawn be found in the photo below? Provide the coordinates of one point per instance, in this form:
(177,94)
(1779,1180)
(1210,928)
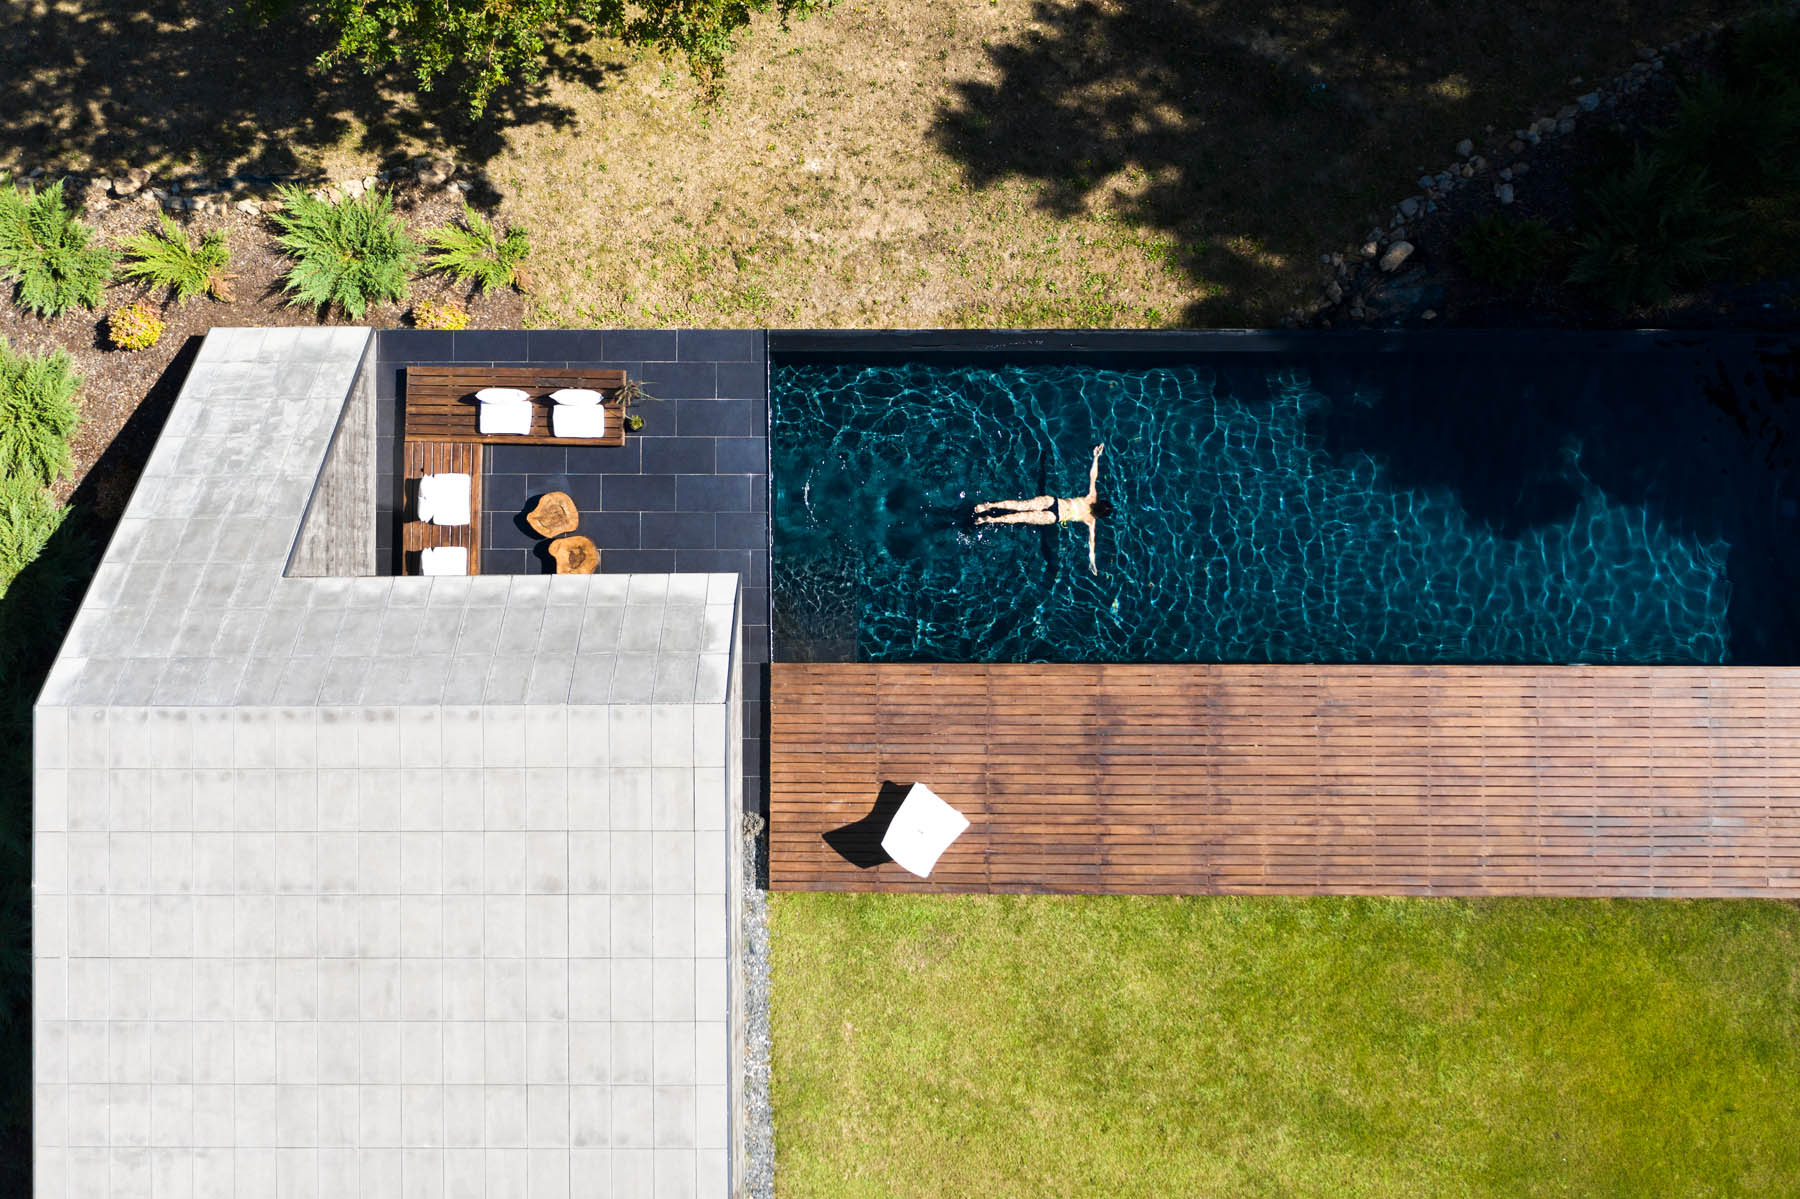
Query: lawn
(1001,1046)
(1000,162)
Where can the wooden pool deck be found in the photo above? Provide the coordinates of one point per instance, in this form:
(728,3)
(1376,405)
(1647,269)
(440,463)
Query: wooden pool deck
(1294,779)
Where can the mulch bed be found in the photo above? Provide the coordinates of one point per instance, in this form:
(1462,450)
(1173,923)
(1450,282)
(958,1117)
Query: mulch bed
(125,396)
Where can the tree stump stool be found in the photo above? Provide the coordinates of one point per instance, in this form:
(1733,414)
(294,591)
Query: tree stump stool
(574,556)
(554,514)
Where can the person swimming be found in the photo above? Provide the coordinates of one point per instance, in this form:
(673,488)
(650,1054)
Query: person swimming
(1052,510)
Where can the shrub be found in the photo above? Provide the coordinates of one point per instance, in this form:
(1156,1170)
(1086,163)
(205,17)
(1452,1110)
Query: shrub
(1653,228)
(1765,51)
(37,414)
(28,516)
(1505,250)
(1745,137)
(49,253)
(429,314)
(475,252)
(167,257)
(135,326)
(349,253)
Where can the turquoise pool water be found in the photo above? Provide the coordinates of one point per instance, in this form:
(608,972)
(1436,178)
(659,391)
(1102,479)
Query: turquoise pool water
(1265,510)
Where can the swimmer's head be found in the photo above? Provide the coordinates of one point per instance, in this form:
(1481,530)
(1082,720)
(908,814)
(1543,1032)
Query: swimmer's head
(1101,509)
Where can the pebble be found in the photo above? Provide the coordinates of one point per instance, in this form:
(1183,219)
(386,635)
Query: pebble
(1426,181)
(249,207)
(1505,174)
(1430,314)
(1464,148)
(1334,291)
(1504,193)
(1516,145)
(1565,127)
(1521,169)
(1409,207)
(1396,254)
(1565,112)
(1370,248)
(1589,102)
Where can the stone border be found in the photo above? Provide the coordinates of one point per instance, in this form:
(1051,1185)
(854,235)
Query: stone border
(251,195)
(1385,250)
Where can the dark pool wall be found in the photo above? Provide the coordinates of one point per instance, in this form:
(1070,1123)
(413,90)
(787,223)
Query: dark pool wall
(1291,497)
(688,493)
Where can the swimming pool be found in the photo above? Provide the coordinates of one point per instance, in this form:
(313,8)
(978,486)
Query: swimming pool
(1486,500)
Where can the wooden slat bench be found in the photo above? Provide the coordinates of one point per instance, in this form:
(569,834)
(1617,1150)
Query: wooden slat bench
(440,402)
(422,458)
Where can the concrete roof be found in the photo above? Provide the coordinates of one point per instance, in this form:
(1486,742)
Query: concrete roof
(375,886)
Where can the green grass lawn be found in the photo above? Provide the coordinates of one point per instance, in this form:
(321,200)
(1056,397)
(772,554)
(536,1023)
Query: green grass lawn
(999,1046)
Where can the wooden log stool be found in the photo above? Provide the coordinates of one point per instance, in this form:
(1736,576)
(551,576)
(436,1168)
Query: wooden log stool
(574,556)
(553,515)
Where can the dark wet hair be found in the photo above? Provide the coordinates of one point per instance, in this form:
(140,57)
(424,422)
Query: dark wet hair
(1101,509)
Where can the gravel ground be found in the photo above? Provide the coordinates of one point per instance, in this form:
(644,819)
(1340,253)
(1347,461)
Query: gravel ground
(759,1125)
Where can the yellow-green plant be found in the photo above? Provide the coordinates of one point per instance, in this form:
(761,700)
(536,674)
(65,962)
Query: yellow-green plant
(135,326)
(350,253)
(448,315)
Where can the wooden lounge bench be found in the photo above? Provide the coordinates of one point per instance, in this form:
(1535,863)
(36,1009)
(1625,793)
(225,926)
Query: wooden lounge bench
(422,458)
(440,402)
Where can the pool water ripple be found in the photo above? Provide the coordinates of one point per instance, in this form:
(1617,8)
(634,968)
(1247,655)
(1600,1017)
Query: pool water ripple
(1236,535)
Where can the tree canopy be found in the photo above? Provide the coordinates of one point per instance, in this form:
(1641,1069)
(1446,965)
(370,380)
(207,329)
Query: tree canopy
(478,46)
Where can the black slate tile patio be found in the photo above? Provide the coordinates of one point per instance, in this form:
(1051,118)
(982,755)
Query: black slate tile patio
(688,493)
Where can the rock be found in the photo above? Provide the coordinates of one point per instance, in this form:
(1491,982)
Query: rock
(146,200)
(462,185)
(436,172)
(1337,260)
(1426,181)
(1521,169)
(368,183)
(1565,112)
(1334,291)
(131,182)
(1430,314)
(1589,102)
(1325,259)
(1646,53)
(1397,253)
(1516,146)
(1464,148)
(1409,207)
(249,207)
(1479,163)
(1504,174)
(1533,138)
(1468,171)
(352,187)
(1369,249)
(1398,233)
(1565,127)
(35,173)
(1640,68)
(1504,193)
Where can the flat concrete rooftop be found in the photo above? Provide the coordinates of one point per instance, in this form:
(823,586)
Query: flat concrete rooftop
(357,885)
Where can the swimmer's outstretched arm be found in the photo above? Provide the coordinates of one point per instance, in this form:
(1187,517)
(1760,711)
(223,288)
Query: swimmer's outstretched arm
(1094,474)
(1093,566)
(1030,505)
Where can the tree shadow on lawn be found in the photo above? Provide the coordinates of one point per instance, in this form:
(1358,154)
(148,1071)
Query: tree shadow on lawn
(173,83)
(1265,134)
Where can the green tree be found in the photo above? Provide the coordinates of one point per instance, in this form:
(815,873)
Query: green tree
(478,46)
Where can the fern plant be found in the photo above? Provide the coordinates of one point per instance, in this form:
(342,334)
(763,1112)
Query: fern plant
(1654,228)
(168,257)
(351,253)
(475,252)
(1505,250)
(49,253)
(37,414)
(29,514)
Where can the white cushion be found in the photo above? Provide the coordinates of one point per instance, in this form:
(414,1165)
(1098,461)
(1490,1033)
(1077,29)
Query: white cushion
(567,420)
(581,397)
(444,560)
(444,499)
(922,830)
(513,419)
(503,395)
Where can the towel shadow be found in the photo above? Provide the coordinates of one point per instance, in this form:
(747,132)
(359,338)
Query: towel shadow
(859,843)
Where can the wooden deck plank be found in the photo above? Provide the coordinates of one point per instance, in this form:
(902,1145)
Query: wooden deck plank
(1300,779)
